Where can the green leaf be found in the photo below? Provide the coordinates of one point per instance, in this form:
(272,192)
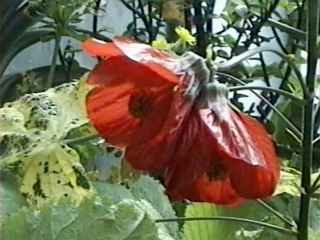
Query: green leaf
(207,230)
(32,132)
(292,110)
(289,182)
(94,218)
(314,235)
(10,197)
(150,194)
(52,174)
(151,190)
(115,192)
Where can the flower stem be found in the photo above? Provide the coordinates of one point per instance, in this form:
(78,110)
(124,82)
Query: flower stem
(315,184)
(200,33)
(226,66)
(276,213)
(316,140)
(230,219)
(95,16)
(294,32)
(268,89)
(308,123)
(54,61)
(295,131)
(80,140)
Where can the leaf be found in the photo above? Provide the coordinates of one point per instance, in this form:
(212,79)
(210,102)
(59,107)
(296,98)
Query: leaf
(315,216)
(289,182)
(106,160)
(163,229)
(151,197)
(32,132)
(115,192)
(94,218)
(292,111)
(10,197)
(52,174)
(315,235)
(149,189)
(207,230)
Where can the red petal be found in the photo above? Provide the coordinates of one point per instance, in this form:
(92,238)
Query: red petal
(117,79)
(108,110)
(193,155)
(247,151)
(118,63)
(118,70)
(97,48)
(256,181)
(151,57)
(233,139)
(155,154)
(217,191)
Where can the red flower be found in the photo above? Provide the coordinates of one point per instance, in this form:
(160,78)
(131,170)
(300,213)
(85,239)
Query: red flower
(238,155)
(157,106)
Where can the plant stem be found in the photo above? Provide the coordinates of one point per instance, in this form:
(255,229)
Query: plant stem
(141,14)
(254,33)
(315,184)
(295,33)
(308,123)
(199,22)
(295,131)
(279,41)
(268,89)
(316,140)
(54,61)
(264,69)
(187,18)
(135,20)
(230,219)
(225,66)
(276,213)
(145,21)
(92,34)
(80,140)
(95,17)
(208,11)
(317,122)
(284,82)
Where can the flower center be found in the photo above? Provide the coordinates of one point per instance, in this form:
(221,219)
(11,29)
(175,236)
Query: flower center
(139,103)
(218,171)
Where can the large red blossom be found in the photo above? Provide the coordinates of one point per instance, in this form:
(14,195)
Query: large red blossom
(156,105)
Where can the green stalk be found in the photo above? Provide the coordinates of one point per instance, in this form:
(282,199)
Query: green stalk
(54,61)
(295,131)
(293,32)
(315,184)
(316,140)
(235,61)
(230,219)
(200,33)
(308,124)
(80,140)
(95,16)
(284,219)
(268,89)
